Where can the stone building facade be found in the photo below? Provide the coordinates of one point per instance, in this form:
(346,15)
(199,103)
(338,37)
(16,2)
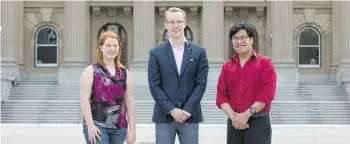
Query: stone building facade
(56,40)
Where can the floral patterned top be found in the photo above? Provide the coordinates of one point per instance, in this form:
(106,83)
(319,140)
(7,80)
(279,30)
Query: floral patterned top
(107,98)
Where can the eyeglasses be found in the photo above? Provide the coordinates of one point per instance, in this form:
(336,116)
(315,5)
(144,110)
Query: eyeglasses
(243,39)
(175,22)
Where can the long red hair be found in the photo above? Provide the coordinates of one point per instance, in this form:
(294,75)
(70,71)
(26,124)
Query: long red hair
(102,39)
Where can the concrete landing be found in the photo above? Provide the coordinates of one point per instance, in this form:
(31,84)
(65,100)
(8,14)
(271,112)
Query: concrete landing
(209,134)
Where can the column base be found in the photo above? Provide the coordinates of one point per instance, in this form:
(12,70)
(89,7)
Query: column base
(345,79)
(215,67)
(344,68)
(139,71)
(287,74)
(334,73)
(69,73)
(344,72)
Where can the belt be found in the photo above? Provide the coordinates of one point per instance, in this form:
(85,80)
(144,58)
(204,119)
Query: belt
(260,114)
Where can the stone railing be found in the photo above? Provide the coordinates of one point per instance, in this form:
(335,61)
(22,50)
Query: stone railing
(7,80)
(345,80)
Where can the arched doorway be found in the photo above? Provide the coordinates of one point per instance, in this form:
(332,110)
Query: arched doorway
(187,31)
(255,45)
(121,32)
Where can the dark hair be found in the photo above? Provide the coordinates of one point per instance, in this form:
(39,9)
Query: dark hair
(251,31)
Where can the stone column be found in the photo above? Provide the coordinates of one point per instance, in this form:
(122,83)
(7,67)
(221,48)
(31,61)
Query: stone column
(20,41)
(268,30)
(143,37)
(345,34)
(213,31)
(76,26)
(345,44)
(282,42)
(337,55)
(213,37)
(10,11)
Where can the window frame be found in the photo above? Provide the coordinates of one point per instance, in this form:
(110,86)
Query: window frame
(319,46)
(36,64)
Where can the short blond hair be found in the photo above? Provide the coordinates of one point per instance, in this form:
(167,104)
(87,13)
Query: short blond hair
(174,9)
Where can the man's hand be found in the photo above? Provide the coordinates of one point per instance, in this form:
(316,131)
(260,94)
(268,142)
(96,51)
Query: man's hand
(187,114)
(233,118)
(178,115)
(241,121)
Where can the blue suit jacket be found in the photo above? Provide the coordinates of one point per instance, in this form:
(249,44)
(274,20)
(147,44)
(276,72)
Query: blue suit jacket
(172,90)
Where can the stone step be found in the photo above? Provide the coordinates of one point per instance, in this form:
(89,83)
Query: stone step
(138,94)
(205,98)
(333,83)
(151,102)
(219,119)
(147,107)
(208,96)
(67,87)
(141,93)
(45,86)
(39,82)
(207,116)
(206,121)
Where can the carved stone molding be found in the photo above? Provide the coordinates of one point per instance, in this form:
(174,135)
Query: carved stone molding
(243,12)
(260,11)
(127,11)
(228,11)
(194,11)
(161,11)
(96,11)
(112,11)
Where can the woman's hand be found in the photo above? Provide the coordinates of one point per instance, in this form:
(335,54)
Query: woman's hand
(131,137)
(93,133)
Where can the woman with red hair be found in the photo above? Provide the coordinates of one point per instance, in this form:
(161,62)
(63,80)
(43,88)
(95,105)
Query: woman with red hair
(106,94)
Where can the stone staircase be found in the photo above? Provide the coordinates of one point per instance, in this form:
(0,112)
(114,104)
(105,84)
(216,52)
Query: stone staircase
(48,102)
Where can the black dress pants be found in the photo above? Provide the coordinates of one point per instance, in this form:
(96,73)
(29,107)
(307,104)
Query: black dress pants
(259,132)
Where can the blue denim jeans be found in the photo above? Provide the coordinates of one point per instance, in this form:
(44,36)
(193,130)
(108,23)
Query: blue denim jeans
(187,133)
(109,136)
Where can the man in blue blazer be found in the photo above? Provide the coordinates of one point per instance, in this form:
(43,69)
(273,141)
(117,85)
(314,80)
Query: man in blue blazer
(177,77)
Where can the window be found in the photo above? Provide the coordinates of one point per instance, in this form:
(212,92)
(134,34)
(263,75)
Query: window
(309,48)
(120,31)
(187,31)
(46,47)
